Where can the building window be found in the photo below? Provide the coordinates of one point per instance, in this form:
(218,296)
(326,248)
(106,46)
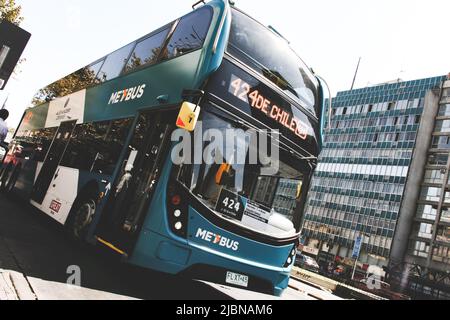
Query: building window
(391,106)
(445,215)
(442,126)
(427,212)
(430,194)
(444,110)
(419,249)
(434,176)
(438,159)
(443,234)
(441,142)
(424,230)
(441,254)
(446,93)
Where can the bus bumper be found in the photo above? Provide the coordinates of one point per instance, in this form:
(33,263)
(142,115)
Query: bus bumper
(197,262)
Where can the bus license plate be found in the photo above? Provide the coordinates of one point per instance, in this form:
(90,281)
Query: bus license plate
(237,279)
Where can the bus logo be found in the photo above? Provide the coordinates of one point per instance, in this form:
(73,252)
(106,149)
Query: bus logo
(217,239)
(127,94)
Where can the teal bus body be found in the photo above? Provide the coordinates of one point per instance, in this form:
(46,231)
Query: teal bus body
(207,247)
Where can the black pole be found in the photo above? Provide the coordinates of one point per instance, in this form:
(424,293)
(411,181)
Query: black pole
(4,103)
(356,73)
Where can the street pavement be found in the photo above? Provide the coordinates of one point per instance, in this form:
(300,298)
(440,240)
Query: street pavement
(36,256)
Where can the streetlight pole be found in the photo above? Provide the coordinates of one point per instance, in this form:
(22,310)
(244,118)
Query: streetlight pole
(359,253)
(354,268)
(360,238)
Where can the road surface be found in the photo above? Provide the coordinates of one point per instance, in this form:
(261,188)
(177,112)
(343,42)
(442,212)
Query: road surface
(35,255)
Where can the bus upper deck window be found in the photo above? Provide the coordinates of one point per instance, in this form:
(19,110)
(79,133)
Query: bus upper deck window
(146,51)
(190,33)
(114,63)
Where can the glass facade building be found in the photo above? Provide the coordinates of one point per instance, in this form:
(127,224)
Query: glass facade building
(359,185)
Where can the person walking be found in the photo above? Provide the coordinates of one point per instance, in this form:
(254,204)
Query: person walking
(4,114)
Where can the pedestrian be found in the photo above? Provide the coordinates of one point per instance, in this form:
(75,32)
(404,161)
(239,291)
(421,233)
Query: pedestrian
(4,114)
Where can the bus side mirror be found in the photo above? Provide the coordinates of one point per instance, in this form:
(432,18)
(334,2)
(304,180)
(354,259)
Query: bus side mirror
(188,116)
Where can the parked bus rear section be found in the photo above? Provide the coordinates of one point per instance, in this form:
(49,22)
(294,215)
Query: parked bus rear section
(95,152)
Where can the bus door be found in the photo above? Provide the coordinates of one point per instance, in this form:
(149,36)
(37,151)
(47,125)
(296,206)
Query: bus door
(132,192)
(52,160)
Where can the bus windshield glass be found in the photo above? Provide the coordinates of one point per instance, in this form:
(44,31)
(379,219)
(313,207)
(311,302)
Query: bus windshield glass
(275,196)
(271,56)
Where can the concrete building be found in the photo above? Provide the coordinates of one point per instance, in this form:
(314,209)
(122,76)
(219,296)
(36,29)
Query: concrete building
(420,255)
(371,172)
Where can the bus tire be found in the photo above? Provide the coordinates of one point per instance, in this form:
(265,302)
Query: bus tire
(5,177)
(80,218)
(12,179)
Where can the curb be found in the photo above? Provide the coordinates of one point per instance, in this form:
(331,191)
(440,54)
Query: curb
(14,286)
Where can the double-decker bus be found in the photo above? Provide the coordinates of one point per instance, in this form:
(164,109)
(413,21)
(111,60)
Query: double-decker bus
(94,153)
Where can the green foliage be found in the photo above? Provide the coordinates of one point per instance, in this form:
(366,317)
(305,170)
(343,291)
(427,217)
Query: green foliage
(10,11)
(76,81)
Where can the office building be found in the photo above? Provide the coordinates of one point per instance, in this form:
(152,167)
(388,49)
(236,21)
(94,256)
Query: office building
(362,186)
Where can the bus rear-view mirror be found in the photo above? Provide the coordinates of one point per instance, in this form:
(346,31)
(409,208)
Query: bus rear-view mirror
(188,116)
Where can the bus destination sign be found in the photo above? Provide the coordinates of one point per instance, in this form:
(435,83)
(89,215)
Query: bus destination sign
(242,90)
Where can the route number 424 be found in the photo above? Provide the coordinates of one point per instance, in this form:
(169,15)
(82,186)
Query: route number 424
(231,204)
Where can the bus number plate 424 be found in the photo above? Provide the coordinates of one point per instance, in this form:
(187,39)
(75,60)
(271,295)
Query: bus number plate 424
(231,205)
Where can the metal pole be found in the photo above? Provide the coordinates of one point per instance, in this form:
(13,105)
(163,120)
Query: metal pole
(359,253)
(354,268)
(356,73)
(4,103)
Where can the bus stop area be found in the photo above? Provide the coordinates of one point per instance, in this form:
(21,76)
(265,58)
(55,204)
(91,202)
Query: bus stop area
(37,261)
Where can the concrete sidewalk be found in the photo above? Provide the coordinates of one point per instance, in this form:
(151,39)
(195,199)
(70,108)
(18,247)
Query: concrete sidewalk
(15,286)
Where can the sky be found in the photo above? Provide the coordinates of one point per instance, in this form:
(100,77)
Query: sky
(407,39)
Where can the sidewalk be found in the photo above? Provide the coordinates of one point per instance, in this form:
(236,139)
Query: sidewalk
(15,286)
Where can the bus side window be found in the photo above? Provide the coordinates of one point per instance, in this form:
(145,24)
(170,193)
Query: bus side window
(108,154)
(114,63)
(44,138)
(96,147)
(190,34)
(146,51)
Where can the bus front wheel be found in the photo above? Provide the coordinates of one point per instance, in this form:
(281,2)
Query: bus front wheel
(8,178)
(79,221)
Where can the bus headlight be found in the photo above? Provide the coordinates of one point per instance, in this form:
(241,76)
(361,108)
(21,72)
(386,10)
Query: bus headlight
(177,211)
(178,226)
(291,258)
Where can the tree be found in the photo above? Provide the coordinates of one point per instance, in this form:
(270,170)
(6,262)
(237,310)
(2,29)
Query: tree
(10,11)
(76,81)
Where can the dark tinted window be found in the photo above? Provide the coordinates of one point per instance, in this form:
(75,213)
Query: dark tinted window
(34,144)
(190,33)
(147,51)
(97,146)
(271,56)
(114,63)
(94,68)
(44,139)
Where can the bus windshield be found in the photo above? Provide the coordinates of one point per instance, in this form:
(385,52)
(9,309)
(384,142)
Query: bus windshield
(271,56)
(277,195)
